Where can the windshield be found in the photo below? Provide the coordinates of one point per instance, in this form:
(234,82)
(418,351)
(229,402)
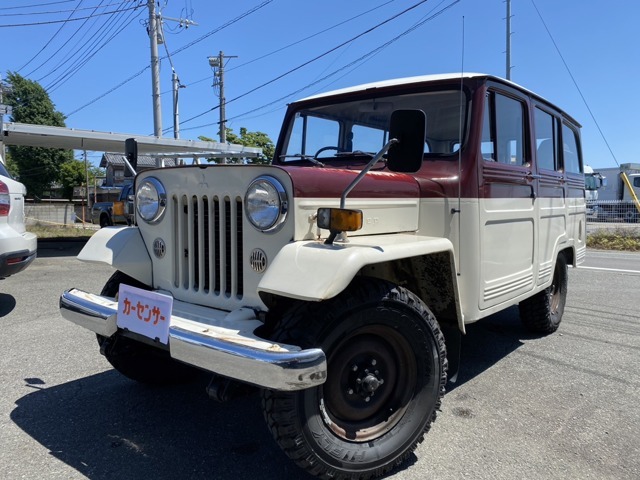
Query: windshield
(590,182)
(350,129)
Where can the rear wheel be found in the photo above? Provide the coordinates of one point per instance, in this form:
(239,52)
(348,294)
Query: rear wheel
(136,360)
(386,372)
(542,313)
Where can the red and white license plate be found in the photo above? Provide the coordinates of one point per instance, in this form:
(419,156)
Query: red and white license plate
(144,312)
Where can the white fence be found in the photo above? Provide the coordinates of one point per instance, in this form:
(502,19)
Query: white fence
(55,213)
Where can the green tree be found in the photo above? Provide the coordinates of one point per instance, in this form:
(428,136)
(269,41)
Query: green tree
(37,168)
(250,139)
(11,165)
(72,174)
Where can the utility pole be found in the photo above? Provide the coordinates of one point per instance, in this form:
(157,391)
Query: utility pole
(176,114)
(4,110)
(218,63)
(155,69)
(156,37)
(508,39)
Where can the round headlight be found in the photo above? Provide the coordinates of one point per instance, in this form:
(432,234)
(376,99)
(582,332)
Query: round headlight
(151,200)
(266,203)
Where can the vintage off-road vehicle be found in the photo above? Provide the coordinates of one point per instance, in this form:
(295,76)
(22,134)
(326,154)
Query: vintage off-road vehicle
(340,278)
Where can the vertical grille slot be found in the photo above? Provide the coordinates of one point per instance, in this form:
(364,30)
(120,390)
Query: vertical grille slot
(208,245)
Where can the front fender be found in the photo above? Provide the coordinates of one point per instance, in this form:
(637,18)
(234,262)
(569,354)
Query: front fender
(313,271)
(121,247)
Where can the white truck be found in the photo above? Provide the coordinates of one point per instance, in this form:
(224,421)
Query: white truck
(593,182)
(340,278)
(617,198)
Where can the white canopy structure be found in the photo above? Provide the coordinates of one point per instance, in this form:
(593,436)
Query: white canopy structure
(71,138)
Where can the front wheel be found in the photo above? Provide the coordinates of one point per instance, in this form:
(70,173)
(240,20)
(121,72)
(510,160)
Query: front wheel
(135,360)
(542,313)
(386,373)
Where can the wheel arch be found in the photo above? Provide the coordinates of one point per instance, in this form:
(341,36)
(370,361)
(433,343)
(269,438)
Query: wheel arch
(310,271)
(122,248)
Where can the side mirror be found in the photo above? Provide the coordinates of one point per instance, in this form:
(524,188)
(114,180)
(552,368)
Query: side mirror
(131,154)
(409,128)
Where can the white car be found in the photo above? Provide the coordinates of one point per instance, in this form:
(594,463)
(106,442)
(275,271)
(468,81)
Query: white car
(18,247)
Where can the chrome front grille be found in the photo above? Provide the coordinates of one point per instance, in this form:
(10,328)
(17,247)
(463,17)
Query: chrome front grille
(208,245)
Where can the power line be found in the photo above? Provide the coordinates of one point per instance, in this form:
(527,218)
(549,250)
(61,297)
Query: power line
(37,5)
(58,11)
(279,77)
(124,82)
(292,44)
(593,117)
(353,63)
(64,21)
(47,44)
(89,51)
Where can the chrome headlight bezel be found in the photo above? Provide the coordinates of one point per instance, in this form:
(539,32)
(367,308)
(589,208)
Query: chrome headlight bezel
(269,213)
(151,200)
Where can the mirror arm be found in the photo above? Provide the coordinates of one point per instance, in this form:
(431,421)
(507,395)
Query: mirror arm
(129,167)
(365,170)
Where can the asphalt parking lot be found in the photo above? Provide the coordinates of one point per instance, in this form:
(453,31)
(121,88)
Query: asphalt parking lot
(566,406)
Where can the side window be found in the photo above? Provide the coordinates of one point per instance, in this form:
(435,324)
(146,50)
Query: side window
(546,140)
(570,152)
(503,138)
(487,145)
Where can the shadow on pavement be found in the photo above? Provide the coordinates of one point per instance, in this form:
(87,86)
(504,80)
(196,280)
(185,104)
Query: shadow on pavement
(60,247)
(106,426)
(489,341)
(7,303)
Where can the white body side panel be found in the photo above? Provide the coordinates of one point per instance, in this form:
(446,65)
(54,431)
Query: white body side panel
(380,216)
(505,249)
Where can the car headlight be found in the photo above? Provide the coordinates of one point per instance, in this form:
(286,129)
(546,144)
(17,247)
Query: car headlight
(151,200)
(266,203)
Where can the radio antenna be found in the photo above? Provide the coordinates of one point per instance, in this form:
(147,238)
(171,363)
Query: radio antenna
(459,209)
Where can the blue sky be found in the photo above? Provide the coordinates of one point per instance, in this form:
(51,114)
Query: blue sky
(276,46)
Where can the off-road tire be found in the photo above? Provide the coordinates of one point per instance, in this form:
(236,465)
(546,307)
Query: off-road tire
(542,313)
(381,342)
(136,360)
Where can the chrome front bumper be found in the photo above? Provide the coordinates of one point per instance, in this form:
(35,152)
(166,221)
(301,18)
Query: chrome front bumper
(217,341)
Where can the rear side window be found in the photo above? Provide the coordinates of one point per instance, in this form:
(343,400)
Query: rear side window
(546,140)
(503,138)
(570,152)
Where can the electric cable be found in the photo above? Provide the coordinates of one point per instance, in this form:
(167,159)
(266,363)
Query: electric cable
(124,82)
(86,55)
(58,11)
(37,5)
(593,117)
(51,22)
(369,30)
(47,44)
(368,55)
(297,42)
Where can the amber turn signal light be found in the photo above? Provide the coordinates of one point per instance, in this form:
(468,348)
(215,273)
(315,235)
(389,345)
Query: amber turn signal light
(340,219)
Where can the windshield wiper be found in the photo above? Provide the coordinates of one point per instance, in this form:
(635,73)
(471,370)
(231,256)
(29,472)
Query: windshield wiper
(355,153)
(304,157)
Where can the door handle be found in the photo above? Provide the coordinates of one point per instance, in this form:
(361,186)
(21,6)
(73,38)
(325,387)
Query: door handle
(532,176)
